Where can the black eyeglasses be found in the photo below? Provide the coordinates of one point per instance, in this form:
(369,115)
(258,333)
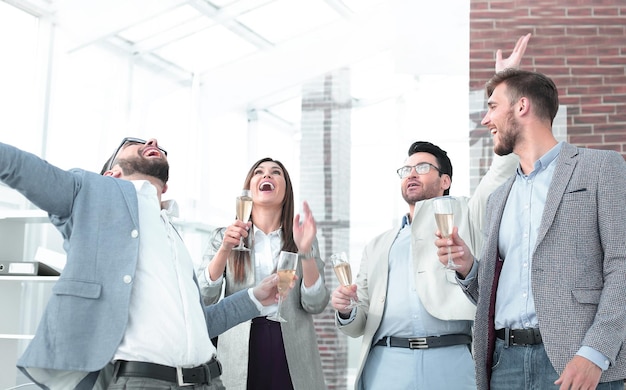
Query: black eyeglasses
(129,141)
(420,169)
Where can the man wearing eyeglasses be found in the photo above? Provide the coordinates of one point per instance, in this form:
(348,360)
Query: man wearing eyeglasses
(127,302)
(415,323)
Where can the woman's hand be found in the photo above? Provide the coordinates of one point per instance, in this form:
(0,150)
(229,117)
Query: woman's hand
(234,233)
(304,229)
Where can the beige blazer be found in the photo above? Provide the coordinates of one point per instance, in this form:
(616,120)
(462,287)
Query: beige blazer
(436,285)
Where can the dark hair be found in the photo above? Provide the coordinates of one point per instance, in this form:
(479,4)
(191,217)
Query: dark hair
(240,259)
(445,166)
(537,87)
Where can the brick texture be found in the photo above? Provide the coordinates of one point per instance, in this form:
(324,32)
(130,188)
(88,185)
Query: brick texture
(325,170)
(580,44)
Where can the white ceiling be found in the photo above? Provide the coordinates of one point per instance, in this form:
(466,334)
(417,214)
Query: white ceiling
(257,53)
(250,48)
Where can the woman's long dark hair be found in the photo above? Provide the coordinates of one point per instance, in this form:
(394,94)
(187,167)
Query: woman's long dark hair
(240,260)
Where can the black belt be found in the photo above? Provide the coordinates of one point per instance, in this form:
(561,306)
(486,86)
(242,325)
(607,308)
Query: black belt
(519,336)
(201,374)
(426,342)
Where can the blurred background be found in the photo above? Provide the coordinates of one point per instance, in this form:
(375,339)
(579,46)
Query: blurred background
(335,89)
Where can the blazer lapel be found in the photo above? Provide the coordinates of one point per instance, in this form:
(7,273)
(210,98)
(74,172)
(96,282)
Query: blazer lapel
(565,164)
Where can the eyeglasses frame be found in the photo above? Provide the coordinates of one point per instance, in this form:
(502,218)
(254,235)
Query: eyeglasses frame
(412,167)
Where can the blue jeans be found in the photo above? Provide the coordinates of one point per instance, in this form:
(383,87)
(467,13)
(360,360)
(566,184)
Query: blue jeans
(527,367)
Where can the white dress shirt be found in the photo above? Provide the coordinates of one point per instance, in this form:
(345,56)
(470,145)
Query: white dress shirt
(166,323)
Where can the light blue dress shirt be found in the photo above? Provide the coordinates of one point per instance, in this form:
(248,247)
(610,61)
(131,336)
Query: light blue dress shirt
(405,316)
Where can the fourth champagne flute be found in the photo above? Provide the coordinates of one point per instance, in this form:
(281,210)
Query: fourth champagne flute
(444,216)
(341,265)
(286,268)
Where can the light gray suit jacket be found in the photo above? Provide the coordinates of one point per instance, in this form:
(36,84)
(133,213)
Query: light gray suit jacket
(578,270)
(436,285)
(87,314)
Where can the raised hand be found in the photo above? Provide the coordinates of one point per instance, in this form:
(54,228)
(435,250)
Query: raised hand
(514,60)
(304,229)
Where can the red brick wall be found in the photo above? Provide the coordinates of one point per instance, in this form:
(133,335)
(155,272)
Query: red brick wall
(580,44)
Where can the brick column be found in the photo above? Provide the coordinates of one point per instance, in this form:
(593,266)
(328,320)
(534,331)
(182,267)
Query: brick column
(325,184)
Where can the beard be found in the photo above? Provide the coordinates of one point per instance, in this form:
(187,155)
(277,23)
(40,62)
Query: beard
(158,168)
(426,193)
(507,139)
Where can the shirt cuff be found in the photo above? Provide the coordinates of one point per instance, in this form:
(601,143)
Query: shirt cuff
(470,276)
(314,289)
(594,356)
(256,302)
(346,321)
(207,275)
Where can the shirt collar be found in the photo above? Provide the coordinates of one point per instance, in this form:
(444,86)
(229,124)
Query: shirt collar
(405,221)
(544,161)
(171,208)
(278,232)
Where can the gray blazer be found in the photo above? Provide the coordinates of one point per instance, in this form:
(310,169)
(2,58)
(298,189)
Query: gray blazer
(578,264)
(87,314)
(299,336)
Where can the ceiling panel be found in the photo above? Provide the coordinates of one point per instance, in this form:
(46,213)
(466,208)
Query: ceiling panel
(286,19)
(244,50)
(206,49)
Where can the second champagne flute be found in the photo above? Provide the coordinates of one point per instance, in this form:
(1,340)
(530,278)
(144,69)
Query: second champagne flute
(244,208)
(444,216)
(341,265)
(286,268)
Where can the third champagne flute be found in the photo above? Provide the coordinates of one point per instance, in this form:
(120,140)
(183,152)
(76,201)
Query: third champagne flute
(286,268)
(244,208)
(341,265)
(444,216)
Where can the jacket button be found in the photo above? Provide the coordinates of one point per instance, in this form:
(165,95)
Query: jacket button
(134,233)
(127,279)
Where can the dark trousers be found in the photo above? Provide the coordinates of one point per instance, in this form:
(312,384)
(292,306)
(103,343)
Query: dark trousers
(267,364)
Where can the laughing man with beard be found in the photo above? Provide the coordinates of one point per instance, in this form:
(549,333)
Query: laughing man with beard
(127,304)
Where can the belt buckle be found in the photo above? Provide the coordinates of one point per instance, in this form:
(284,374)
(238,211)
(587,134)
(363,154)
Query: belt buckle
(418,343)
(180,378)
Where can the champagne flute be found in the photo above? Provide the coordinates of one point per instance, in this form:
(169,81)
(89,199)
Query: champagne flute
(341,265)
(444,216)
(286,269)
(244,208)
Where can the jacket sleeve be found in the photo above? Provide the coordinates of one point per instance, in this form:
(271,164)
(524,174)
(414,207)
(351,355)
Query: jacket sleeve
(502,168)
(211,293)
(46,186)
(356,327)
(316,302)
(230,311)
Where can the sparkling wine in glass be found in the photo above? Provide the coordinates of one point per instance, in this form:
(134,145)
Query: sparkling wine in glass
(444,216)
(244,208)
(341,265)
(287,262)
